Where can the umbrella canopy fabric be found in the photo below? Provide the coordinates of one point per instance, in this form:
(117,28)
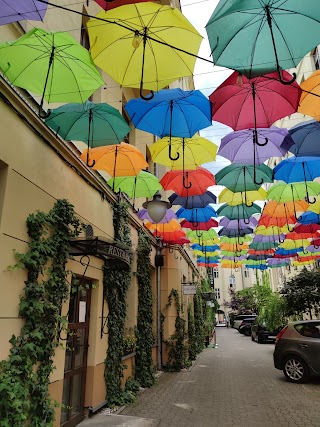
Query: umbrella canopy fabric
(17,10)
(63,68)
(256,38)
(309,218)
(253,103)
(269,221)
(315,207)
(285,210)
(294,244)
(282,192)
(238,211)
(309,103)
(246,197)
(263,246)
(199,225)
(96,124)
(118,160)
(206,235)
(309,228)
(189,182)
(107,4)
(198,201)
(142,185)
(197,215)
(268,239)
(233,247)
(236,223)
(297,169)
(272,230)
(204,248)
(130,36)
(241,177)
(235,232)
(170,235)
(183,153)
(168,227)
(170,214)
(238,146)
(227,239)
(171,240)
(305,137)
(172,112)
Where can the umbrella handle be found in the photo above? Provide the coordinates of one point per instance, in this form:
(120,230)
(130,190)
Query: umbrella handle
(280,240)
(142,69)
(170,154)
(184,182)
(244,220)
(93,163)
(198,235)
(145,98)
(305,252)
(266,140)
(309,201)
(286,82)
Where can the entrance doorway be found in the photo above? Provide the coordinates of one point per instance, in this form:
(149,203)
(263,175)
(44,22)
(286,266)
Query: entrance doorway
(72,410)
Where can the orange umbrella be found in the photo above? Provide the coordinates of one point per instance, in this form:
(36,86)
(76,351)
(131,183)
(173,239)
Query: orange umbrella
(285,210)
(170,226)
(188,182)
(171,235)
(233,247)
(118,160)
(269,221)
(310,104)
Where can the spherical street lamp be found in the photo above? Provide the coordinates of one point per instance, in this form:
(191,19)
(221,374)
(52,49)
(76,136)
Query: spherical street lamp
(157,208)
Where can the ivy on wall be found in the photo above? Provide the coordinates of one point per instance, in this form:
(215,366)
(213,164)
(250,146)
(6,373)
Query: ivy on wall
(145,339)
(199,321)
(116,282)
(24,378)
(192,339)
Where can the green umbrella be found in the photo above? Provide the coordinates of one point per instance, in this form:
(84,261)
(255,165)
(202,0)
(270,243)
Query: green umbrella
(244,239)
(52,65)
(232,253)
(206,235)
(260,246)
(143,185)
(241,177)
(239,211)
(282,192)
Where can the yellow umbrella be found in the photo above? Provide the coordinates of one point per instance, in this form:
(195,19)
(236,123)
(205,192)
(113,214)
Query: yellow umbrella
(300,263)
(247,197)
(130,43)
(294,244)
(315,207)
(270,231)
(310,104)
(208,242)
(188,152)
(208,254)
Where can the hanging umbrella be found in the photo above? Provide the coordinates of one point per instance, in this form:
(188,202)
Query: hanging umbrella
(259,37)
(235,232)
(240,147)
(170,235)
(236,223)
(171,240)
(269,221)
(294,244)
(227,239)
(200,225)
(263,246)
(261,252)
(281,252)
(207,264)
(206,235)
(142,185)
(53,65)
(170,214)
(309,218)
(235,247)
(118,160)
(282,192)
(172,112)
(310,228)
(198,201)
(273,238)
(153,65)
(305,137)
(209,254)
(259,266)
(112,4)
(233,258)
(197,215)
(246,197)
(272,230)
(189,183)
(309,101)
(205,248)
(17,10)
(232,253)
(243,178)
(208,259)
(238,212)
(168,227)
(183,153)
(258,257)
(285,210)
(301,236)
(315,207)
(298,169)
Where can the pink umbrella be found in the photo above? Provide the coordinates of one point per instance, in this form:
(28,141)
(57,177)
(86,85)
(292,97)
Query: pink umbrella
(112,4)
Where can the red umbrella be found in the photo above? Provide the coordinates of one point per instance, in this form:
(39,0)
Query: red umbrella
(243,103)
(308,228)
(189,183)
(200,225)
(112,4)
(169,236)
(262,252)
(298,236)
(315,242)
(207,264)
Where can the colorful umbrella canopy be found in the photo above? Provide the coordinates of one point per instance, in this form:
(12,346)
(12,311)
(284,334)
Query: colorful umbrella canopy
(198,201)
(206,235)
(142,185)
(204,248)
(268,239)
(170,236)
(17,10)
(242,177)
(172,112)
(269,221)
(310,228)
(242,103)
(227,239)
(261,252)
(183,153)
(282,192)
(240,146)
(297,169)
(152,26)
(309,218)
(294,244)
(199,225)
(259,266)
(315,207)
(309,103)
(285,210)
(197,215)
(263,246)
(235,232)
(170,214)
(305,137)
(209,254)
(236,223)
(235,247)
(112,4)
(168,227)
(256,38)
(118,160)
(246,197)
(63,68)
(171,240)
(207,264)
(189,183)
(286,252)
(238,212)
(96,124)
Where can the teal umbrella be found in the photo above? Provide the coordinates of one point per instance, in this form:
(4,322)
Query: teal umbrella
(96,124)
(256,37)
(239,211)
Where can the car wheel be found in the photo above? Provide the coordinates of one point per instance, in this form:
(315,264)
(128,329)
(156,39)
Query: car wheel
(252,338)
(295,369)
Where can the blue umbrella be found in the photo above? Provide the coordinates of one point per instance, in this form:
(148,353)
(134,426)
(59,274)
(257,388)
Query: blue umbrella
(171,112)
(298,169)
(257,267)
(306,138)
(198,247)
(282,251)
(208,259)
(238,232)
(191,202)
(197,215)
(309,217)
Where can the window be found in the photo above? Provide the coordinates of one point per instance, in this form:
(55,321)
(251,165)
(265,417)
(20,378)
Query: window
(310,329)
(246,272)
(215,272)
(316,58)
(217,293)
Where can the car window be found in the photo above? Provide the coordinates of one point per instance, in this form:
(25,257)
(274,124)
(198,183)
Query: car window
(310,330)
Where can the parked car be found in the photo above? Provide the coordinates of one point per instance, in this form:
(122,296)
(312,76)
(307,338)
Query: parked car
(238,319)
(245,326)
(261,334)
(297,350)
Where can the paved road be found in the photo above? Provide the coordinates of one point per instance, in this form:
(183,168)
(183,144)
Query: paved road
(233,385)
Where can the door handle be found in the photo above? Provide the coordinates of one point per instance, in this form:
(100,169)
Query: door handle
(303,345)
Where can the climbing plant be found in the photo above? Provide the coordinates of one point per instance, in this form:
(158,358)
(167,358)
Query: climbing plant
(24,378)
(192,339)
(116,282)
(199,321)
(145,339)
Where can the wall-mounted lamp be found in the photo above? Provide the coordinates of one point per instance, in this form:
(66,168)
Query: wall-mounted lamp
(157,208)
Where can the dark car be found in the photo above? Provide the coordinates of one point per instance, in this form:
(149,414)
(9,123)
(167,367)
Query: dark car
(245,326)
(260,333)
(239,318)
(297,350)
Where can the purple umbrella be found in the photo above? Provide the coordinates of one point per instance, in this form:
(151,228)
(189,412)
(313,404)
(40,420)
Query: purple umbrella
(259,238)
(16,10)
(237,223)
(238,146)
(313,248)
(170,214)
(276,261)
(232,258)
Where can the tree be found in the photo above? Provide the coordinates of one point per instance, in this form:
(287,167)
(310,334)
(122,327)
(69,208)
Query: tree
(274,312)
